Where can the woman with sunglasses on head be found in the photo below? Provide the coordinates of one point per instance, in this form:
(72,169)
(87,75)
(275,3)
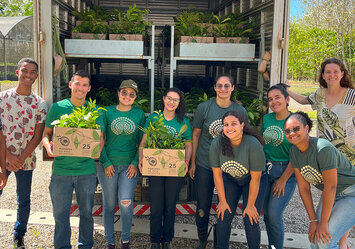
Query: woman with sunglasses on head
(117,171)
(335,105)
(281,181)
(237,160)
(316,161)
(164,191)
(207,124)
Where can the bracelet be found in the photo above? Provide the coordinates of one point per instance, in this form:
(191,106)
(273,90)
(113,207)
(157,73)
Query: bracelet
(313,221)
(264,59)
(187,162)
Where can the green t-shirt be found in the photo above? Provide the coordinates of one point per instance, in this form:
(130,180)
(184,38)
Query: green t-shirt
(66,165)
(173,125)
(208,118)
(322,155)
(248,156)
(276,146)
(122,136)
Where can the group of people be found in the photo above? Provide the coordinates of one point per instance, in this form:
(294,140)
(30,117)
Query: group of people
(225,153)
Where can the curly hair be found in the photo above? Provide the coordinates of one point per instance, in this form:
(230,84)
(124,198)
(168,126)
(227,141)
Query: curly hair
(225,143)
(302,117)
(180,110)
(344,82)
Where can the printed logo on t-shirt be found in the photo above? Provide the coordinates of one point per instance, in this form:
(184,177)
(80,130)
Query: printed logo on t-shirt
(171,130)
(273,135)
(123,125)
(311,175)
(215,128)
(234,168)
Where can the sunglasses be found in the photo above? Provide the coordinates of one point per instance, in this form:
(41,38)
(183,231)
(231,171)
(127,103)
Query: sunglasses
(170,99)
(132,95)
(294,130)
(226,86)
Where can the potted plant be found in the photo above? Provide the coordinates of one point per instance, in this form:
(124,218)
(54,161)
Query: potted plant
(97,14)
(189,28)
(231,30)
(164,152)
(90,29)
(78,134)
(130,25)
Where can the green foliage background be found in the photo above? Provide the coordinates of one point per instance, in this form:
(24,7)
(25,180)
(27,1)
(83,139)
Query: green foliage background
(309,46)
(16,7)
(325,30)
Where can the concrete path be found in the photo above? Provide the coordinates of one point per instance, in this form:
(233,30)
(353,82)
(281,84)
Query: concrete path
(292,240)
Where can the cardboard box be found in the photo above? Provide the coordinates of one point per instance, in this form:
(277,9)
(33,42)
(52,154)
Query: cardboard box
(163,162)
(76,142)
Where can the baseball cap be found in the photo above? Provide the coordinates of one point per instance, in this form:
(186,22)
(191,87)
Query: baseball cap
(129,83)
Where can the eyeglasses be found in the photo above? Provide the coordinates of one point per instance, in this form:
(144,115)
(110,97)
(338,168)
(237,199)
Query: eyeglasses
(170,99)
(132,95)
(226,86)
(294,130)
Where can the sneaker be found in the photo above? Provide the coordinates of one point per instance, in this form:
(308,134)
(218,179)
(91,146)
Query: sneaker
(125,245)
(18,243)
(110,246)
(165,245)
(154,245)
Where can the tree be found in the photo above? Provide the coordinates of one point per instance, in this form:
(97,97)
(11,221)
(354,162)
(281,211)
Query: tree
(308,47)
(337,16)
(16,7)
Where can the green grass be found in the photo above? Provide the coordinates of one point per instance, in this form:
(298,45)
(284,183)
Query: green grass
(304,88)
(8,82)
(312,114)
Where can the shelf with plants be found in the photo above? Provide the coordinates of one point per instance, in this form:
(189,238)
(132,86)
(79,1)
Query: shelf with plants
(230,31)
(110,34)
(127,38)
(209,37)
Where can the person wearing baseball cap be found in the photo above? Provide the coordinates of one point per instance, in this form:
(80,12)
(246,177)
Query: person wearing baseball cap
(117,171)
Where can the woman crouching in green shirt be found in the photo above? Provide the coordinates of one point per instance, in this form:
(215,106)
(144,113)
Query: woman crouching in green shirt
(164,191)
(316,161)
(237,160)
(117,171)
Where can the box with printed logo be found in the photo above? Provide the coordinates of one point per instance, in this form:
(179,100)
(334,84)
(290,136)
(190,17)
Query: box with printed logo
(163,162)
(77,142)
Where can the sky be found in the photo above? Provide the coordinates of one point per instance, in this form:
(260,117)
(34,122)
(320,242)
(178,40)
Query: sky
(296,8)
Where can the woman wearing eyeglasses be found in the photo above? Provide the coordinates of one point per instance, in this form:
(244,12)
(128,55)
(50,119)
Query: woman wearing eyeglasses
(207,124)
(281,180)
(164,191)
(117,171)
(237,160)
(316,161)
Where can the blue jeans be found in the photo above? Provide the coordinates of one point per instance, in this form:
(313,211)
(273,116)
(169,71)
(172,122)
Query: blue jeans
(342,217)
(23,196)
(163,195)
(120,188)
(61,190)
(204,185)
(233,191)
(274,207)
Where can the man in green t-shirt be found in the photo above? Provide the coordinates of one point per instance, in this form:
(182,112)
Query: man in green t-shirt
(71,173)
